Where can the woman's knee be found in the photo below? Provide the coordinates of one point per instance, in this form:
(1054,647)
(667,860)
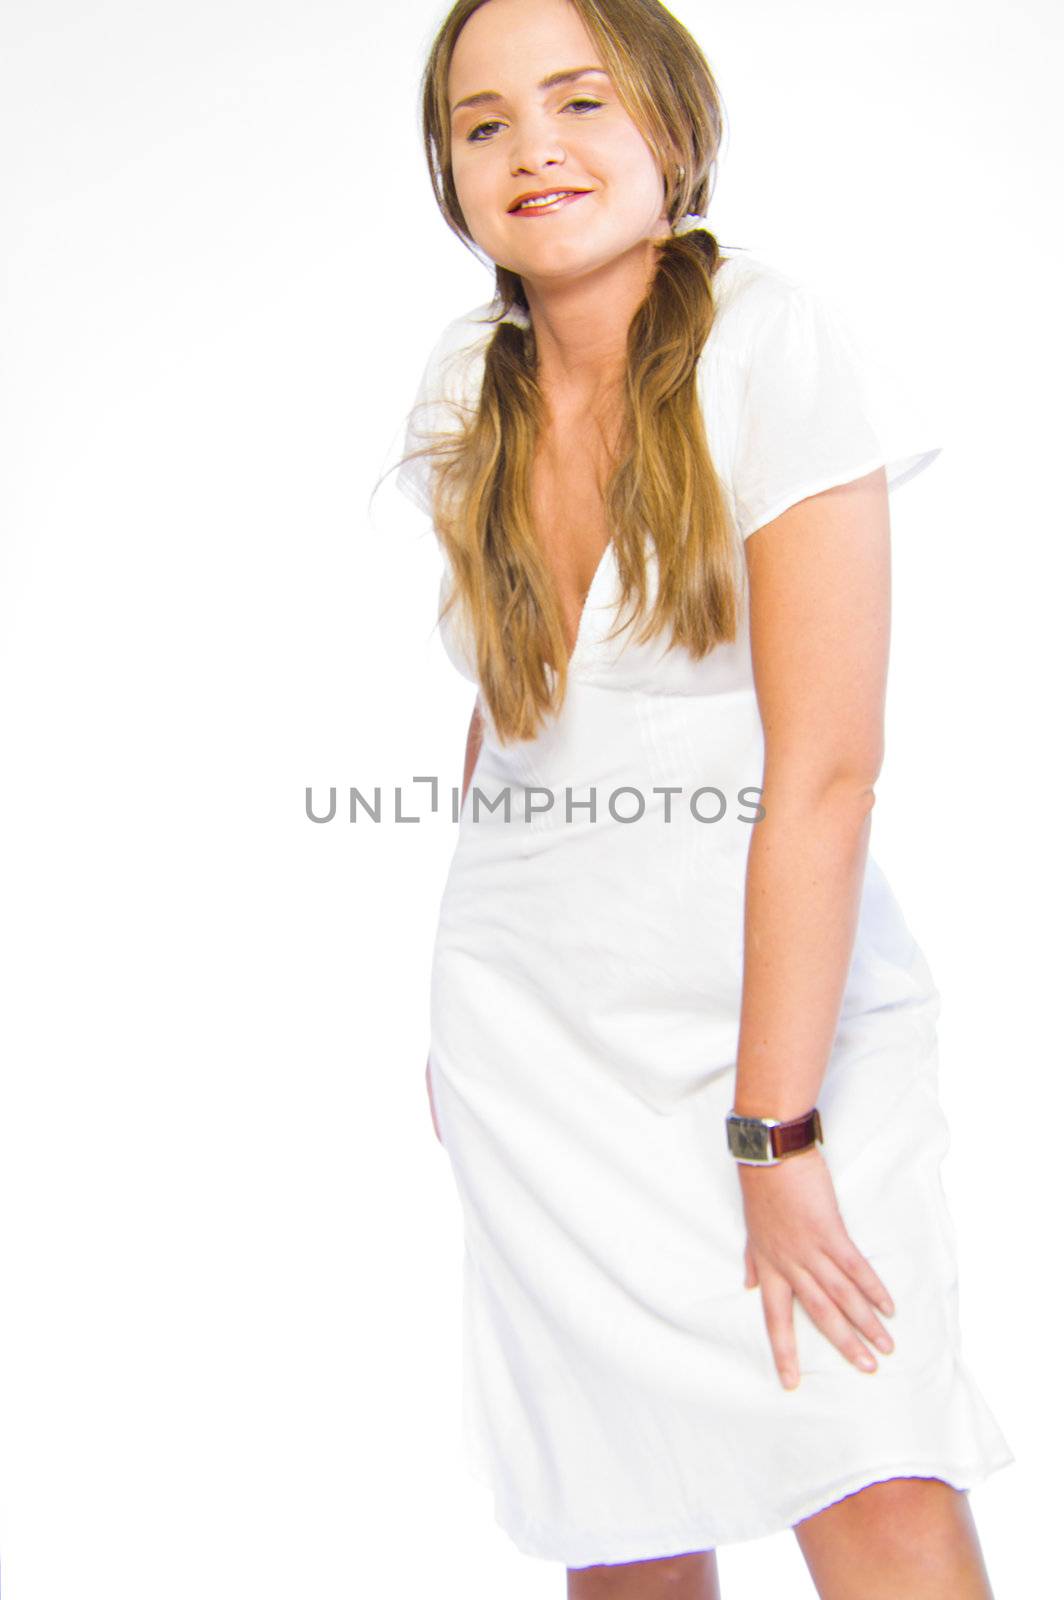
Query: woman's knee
(916,1531)
(692,1576)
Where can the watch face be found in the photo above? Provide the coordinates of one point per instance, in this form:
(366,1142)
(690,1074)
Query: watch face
(748,1139)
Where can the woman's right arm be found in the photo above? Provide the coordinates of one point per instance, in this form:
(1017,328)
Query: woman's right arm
(473,742)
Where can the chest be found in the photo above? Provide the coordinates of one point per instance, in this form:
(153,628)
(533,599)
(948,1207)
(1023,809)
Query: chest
(568,514)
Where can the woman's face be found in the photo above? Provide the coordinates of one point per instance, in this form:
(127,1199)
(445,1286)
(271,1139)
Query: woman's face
(523,137)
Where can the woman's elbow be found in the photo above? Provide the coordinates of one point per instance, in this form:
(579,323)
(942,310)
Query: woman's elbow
(846,781)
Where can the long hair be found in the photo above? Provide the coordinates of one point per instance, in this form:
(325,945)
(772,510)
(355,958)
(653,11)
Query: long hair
(661,478)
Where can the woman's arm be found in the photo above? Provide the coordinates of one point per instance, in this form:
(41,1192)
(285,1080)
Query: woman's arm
(820,633)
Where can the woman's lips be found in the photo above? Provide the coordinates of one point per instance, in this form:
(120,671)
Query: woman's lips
(555,205)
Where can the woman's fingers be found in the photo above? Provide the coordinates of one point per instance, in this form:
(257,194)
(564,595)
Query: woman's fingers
(833,1323)
(855,1266)
(798,1247)
(853,1302)
(777,1302)
(833,1303)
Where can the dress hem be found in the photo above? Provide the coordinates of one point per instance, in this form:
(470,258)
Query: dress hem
(534,1540)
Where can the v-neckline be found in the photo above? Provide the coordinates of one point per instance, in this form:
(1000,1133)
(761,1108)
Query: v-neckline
(586,607)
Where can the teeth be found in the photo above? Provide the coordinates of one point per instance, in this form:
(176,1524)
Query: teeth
(545,200)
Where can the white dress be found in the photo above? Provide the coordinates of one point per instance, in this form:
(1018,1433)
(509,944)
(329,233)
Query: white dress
(619,1393)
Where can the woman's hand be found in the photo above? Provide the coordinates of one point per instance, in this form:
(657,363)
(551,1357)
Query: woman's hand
(797,1246)
(432,1103)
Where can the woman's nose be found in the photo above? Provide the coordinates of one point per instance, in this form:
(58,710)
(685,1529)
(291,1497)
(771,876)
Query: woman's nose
(535,153)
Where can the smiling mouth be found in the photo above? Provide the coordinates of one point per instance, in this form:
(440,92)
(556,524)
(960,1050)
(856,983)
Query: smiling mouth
(548,203)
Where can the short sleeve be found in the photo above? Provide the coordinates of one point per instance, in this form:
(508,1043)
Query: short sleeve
(816,409)
(449,387)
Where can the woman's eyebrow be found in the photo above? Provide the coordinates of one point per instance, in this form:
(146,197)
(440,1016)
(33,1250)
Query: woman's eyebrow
(489,96)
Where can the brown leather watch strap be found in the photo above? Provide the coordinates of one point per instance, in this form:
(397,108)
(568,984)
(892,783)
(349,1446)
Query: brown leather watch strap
(797,1134)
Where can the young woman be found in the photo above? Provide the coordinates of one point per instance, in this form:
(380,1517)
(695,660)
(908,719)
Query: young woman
(659,483)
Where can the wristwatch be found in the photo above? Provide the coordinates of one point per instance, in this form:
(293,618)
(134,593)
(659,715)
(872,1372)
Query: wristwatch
(765,1141)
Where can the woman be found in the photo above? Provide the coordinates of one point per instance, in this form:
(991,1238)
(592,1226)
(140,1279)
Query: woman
(661,495)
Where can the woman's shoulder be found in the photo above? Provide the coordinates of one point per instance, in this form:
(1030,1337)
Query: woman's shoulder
(456,358)
(746,288)
(448,390)
(748,292)
(470,328)
(745,274)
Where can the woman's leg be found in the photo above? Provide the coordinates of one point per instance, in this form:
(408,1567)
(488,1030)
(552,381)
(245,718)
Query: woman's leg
(686,1577)
(905,1536)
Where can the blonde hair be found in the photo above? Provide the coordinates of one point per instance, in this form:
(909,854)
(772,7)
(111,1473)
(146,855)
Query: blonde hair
(662,479)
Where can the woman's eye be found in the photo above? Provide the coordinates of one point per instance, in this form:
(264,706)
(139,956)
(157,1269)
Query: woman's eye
(472,134)
(587,104)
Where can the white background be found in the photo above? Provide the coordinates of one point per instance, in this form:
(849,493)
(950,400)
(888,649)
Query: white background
(229,1242)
